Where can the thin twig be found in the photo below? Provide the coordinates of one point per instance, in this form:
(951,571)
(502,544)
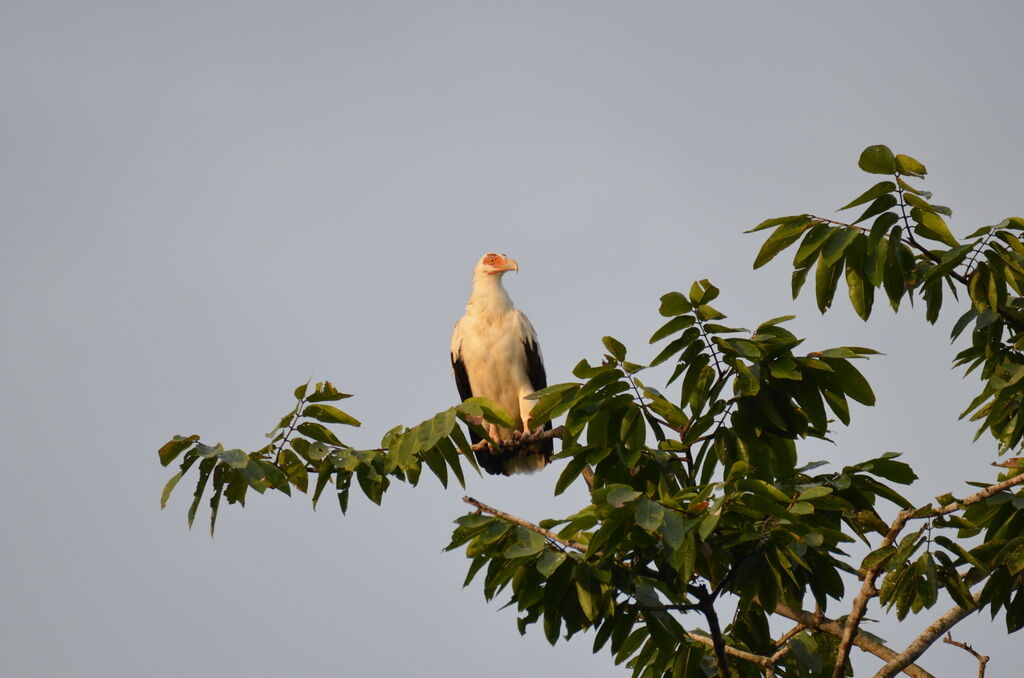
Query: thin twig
(982,659)
(484,508)
(980,495)
(867,591)
(789,634)
(823,624)
(588,477)
(758,659)
(941,625)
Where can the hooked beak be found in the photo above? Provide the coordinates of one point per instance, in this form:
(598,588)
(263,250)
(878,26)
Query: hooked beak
(505,265)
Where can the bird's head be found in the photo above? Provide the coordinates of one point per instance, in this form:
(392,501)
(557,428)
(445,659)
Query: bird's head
(493,263)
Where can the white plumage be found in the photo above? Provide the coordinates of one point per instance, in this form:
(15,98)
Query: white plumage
(495,355)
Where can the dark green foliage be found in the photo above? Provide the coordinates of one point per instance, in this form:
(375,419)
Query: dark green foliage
(697,490)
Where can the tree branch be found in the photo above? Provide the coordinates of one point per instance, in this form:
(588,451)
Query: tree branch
(834,628)
(758,659)
(926,639)
(484,508)
(867,591)
(982,659)
(980,495)
(523,441)
(707,608)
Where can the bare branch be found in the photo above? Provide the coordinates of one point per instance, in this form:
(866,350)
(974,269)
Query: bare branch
(927,638)
(758,659)
(834,628)
(484,508)
(982,659)
(707,608)
(867,591)
(522,442)
(981,495)
(789,634)
(588,476)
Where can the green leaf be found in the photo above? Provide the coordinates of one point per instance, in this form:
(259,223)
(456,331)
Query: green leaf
(881,226)
(877,557)
(649,514)
(615,347)
(873,193)
(782,238)
(814,493)
(671,327)
(170,450)
(205,467)
(875,264)
(826,278)
(550,390)
(549,562)
(295,469)
(802,508)
(893,273)
(709,521)
(527,543)
(621,495)
(907,165)
(812,242)
(318,432)
(1015,560)
(330,415)
(323,477)
(933,300)
(702,292)
(880,206)
(798,279)
(168,488)
(300,391)
(673,530)
(933,227)
(324,392)
(571,471)
(862,292)
(768,223)
(852,381)
(490,411)
(676,345)
(587,601)
(219,477)
(836,246)
(890,469)
(674,303)
(877,160)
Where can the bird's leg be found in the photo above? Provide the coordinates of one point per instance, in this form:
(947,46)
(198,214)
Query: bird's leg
(493,431)
(525,408)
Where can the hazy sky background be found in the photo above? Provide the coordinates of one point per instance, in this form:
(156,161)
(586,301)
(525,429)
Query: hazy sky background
(204,204)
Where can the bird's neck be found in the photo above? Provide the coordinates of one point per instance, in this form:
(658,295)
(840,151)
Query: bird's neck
(488,297)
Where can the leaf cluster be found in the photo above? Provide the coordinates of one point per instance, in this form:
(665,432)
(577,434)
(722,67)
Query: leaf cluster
(697,492)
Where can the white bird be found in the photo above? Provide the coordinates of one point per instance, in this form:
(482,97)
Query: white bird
(495,355)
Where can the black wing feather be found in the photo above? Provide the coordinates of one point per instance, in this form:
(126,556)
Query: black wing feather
(465,390)
(534,365)
(461,378)
(538,380)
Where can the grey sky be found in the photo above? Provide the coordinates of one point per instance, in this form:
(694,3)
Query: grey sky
(203,204)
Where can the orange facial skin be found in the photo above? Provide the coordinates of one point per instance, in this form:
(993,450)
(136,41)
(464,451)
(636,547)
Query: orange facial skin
(499,263)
